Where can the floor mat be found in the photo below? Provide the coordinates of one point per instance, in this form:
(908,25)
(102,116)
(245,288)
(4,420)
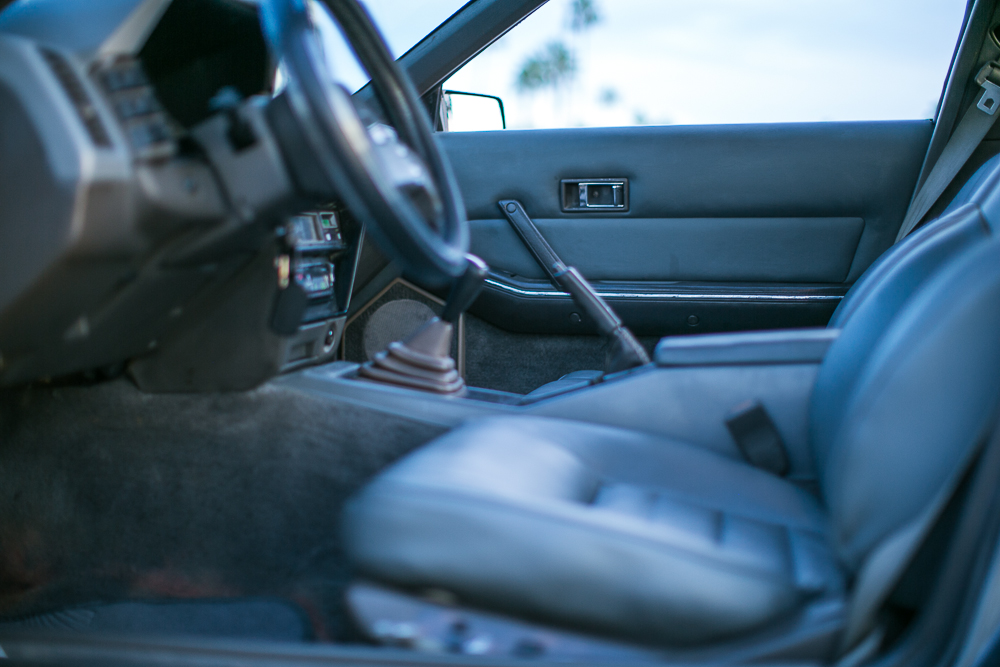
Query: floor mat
(259,619)
(108,494)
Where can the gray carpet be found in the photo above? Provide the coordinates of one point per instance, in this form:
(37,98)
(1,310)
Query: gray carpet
(110,494)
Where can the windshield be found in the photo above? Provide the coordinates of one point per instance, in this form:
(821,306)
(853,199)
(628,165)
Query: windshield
(402,23)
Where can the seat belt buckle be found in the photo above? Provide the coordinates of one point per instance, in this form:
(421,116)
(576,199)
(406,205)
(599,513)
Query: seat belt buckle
(758,438)
(989,79)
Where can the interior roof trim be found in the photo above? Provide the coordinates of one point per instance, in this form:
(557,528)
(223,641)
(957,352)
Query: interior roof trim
(779,295)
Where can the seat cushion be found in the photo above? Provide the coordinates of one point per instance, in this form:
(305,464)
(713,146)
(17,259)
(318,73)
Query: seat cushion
(595,528)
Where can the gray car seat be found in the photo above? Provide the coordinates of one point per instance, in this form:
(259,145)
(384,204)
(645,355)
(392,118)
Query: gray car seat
(973,213)
(661,542)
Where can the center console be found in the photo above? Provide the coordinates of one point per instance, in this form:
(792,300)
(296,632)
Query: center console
(688,392)
(316,275)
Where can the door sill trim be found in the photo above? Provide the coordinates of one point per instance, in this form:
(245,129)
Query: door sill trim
(539,289)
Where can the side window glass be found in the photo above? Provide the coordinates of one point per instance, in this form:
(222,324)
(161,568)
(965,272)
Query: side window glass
(595,63)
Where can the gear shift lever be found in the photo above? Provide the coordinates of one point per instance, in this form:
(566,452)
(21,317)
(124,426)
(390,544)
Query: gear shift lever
(423,360)
(465,289)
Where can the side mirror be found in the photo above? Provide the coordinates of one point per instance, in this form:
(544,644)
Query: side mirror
(471,112)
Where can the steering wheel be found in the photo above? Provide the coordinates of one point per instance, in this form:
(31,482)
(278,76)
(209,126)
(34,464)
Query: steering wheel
(394,178)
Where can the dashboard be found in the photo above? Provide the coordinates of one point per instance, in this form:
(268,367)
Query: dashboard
(148,218)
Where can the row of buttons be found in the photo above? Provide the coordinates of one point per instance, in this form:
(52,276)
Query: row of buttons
(315,229)
(134,100)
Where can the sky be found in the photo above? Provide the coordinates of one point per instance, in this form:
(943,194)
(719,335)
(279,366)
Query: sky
(710,61)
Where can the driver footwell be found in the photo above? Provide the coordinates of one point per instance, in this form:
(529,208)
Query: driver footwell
(108,495)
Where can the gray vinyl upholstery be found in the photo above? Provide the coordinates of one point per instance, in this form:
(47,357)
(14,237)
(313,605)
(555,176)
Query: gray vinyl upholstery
(890,423)
(649,538)
(595,527)
(780,346)
(973,215)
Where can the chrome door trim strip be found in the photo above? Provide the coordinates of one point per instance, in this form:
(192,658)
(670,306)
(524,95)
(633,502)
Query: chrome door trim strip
(666,295)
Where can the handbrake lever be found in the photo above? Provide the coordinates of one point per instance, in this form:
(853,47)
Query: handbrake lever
(624,351)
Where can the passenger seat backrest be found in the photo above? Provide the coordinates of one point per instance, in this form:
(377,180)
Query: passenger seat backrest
(903,267)
(892,422)
(877,307)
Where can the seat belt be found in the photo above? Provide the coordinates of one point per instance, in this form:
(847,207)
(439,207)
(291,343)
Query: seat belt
(970,131)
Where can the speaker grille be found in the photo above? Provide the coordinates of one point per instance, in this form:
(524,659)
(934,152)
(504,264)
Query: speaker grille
(399,310)
(393,320)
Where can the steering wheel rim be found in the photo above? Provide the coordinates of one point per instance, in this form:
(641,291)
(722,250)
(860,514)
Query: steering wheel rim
(396,180)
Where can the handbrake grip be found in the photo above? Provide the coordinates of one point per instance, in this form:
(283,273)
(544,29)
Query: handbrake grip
(625,351)
(533,238)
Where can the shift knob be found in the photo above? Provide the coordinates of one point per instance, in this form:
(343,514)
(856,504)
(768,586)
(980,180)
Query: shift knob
(465,289)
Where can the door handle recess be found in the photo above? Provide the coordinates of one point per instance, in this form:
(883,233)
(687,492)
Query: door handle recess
(594,194)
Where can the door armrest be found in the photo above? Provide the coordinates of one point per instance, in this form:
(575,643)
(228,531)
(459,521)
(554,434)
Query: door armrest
(784,346)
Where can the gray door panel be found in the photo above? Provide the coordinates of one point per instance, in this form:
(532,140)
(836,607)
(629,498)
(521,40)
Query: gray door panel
(727,176)
(728,228)
(778,209)
(786,250)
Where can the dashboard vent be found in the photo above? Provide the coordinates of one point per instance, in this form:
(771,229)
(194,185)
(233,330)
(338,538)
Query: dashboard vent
(78,95)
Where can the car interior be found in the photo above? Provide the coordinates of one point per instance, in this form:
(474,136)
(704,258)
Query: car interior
(293,375)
